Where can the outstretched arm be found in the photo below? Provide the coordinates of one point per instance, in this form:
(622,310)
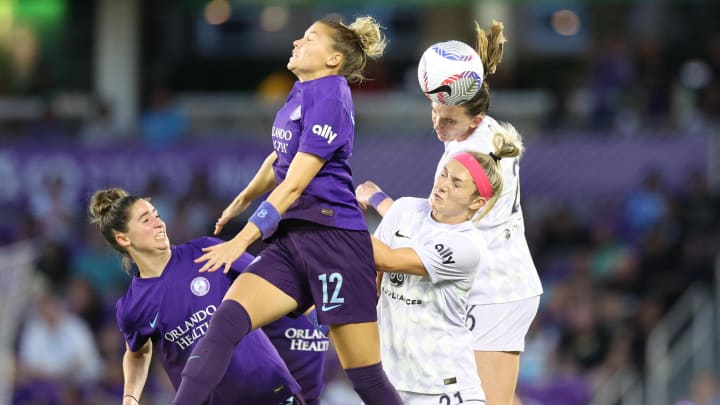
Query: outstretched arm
(263,181)
(302,170)
(135,372)
(369,194)
(401,260)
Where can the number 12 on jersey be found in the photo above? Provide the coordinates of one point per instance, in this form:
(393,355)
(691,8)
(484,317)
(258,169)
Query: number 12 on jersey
(335,300)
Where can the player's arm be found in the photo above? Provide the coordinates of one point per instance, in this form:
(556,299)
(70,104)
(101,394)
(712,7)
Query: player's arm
(302,170)
(262,182)
(369,194)
(135,372)
(401,260)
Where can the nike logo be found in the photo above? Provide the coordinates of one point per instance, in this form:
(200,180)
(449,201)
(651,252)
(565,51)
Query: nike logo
(193,357)
(445,88)
(399,235)
(154,321)
(326,308)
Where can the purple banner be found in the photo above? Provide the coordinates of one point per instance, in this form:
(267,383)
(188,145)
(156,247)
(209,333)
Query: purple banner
(402,166)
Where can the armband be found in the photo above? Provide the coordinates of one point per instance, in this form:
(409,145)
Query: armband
(377,198)
(266,217)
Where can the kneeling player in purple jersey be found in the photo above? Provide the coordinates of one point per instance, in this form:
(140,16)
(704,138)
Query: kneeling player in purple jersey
(320,251)
(169,305)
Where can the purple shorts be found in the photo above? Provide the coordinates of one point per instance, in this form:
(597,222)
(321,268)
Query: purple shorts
(329,267)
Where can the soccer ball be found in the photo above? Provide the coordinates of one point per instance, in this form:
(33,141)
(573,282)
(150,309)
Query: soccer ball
(450,72)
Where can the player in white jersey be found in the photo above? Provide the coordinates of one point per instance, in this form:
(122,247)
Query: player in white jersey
(431,253)
(506,296)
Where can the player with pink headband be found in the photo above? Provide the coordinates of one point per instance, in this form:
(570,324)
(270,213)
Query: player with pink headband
(430,252)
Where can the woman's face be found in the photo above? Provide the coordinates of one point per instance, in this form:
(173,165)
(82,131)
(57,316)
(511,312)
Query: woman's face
(313,55)
(453,195)
(452,123)
(146,231)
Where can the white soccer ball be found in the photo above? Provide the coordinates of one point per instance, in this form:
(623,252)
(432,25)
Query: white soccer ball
(450,72)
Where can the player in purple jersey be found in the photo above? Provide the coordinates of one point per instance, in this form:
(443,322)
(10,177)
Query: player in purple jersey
(320,251)
(168,307)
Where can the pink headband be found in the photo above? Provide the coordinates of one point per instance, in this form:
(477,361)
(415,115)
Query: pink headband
(482,182)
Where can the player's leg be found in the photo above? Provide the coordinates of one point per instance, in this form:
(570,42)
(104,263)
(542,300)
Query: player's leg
(498,372)
(342,280)
(358,348)
(499,332)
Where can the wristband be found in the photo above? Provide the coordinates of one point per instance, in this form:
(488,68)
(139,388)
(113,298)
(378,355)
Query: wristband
(266,217)
(377,198)
(134,399)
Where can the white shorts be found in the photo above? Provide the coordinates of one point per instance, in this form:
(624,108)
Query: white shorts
(501,327)
(474,396)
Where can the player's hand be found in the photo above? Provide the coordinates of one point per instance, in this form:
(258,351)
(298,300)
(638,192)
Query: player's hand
(221,255)
(231,211)
(364,191)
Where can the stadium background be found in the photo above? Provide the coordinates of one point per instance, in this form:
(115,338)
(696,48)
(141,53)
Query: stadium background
(617,101)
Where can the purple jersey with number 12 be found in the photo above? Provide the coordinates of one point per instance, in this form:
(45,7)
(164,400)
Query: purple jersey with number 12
(174,310)
(317,118)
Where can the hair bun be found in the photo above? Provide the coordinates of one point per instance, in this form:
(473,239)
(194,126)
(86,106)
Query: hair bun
(102,201)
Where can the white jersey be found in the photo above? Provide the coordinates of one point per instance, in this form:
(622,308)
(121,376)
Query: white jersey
(513,276)
(425,345)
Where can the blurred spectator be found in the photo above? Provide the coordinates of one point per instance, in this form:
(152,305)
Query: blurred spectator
(611,261)
(197,210)
(585,341)
(647,205)
(85,302)
(57,348)
(98,266)
(699,211)
(163,123)
(54,209)
(53,262)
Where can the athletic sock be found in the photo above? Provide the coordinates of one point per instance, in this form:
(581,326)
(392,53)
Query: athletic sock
(209,360)
(373,386)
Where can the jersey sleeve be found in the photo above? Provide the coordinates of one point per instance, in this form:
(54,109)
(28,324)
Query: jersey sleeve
(448,256)
(133,334)
(327,126)
(384,230)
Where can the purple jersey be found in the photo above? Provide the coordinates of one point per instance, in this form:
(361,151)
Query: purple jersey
(302,345)
(174,311)
(317,118)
